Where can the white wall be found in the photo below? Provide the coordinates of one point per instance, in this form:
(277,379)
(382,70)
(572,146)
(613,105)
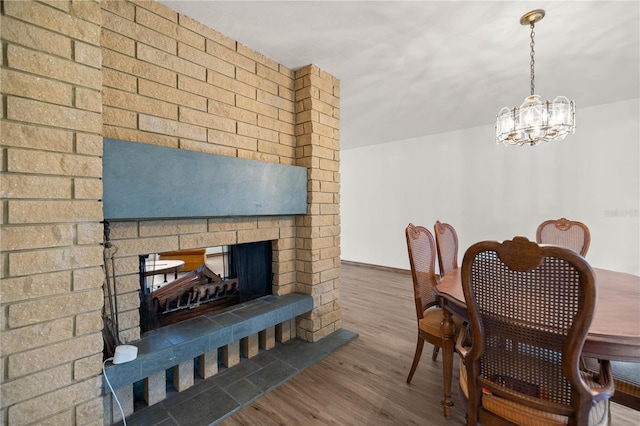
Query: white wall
(490,192)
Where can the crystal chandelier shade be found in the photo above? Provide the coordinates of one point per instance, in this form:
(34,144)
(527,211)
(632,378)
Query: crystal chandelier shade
(534,120)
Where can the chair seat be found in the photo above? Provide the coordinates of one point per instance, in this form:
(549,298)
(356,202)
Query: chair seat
(430,323)
(527,416)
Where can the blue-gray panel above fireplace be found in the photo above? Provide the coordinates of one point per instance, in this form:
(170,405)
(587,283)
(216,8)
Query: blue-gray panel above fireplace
(142,181)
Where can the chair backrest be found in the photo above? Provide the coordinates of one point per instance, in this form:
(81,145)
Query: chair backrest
(530,308)
(447,244)
(422,256)
(565,233)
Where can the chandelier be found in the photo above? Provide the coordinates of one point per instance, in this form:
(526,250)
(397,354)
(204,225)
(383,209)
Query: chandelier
(534,120)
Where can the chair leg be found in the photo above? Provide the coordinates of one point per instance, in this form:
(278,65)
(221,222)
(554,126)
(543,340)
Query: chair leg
(416,358)
(434,356)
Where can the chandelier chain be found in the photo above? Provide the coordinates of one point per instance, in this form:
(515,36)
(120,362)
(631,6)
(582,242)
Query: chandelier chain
(533,61)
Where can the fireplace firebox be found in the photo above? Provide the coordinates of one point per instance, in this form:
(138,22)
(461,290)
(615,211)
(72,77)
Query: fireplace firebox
(184,284)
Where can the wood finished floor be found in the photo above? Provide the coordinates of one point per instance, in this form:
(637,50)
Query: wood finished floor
(364,382)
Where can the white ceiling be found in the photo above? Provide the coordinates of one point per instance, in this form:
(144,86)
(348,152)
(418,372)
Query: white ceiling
(414,68)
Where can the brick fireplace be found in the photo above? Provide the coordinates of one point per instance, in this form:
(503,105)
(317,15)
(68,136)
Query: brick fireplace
(75,72)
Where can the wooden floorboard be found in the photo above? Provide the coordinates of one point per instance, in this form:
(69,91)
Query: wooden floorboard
(364,382)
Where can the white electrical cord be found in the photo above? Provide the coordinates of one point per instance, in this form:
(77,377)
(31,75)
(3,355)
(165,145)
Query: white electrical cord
(124,421)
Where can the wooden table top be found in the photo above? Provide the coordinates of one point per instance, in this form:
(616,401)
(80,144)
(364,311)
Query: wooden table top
(615,330)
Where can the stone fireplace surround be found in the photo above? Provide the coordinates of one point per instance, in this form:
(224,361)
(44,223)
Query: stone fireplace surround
(136,70)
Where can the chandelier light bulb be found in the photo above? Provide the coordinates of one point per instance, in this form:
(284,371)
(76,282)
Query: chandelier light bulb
(534,120)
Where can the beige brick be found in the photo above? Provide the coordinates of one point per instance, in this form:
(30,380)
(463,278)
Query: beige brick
(125,397)
(35,38)
(232,112)
(231,354)
(90,322)
(275,76)
(87,189)
(250,345)
(125,9)
(251,104)
(87,278)
(171,95)
(53,67)
(157,8)
(140,104)
(88,99)
(34,285)
(183,375)
(87,54)
(201,88)
(232,140)
(59,22)
(143,70)
(49,356)
(268,338)
(208,240)
(257,132)
(146,245)
(283,331)
(32,87)
(41,162)
(53,115)
(119,117)
(173,128)
(90,366)
(231,84)
(257,57)
(141,34)
(89,412)
(26,186)
(181,66)
(29,237)
(117,42)
(169,28)
(229,54)
(259,82)
(208,364)
(89,233)
(155,388)
(257,235)
(46,309)
(53,211)
(32,386)
(88,144)
(212,63)
(204,119)
(205,31)
(42,138)
(25,338)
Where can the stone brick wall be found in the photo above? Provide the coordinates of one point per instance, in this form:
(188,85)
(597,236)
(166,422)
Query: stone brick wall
(74,72)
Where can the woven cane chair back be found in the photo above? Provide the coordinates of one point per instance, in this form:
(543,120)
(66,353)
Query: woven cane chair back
(447,245)
(422,256)
(565,233)
(530,308)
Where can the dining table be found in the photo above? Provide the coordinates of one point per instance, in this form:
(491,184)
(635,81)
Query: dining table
(614,333)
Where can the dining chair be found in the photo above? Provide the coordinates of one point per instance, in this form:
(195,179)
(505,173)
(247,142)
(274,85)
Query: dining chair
(530,308)
(422,257)
(626,378)
(564,233)
(447,246)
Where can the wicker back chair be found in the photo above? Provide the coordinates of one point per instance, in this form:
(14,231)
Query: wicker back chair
(530,308)
(447,244)
(565,233)
(422,257)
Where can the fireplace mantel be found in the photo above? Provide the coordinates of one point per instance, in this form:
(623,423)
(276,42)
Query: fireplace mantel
(143,181)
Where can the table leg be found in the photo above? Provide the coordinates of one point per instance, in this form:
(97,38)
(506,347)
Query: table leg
(447,327)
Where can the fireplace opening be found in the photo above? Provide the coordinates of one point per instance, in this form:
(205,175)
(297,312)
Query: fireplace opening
(178,285)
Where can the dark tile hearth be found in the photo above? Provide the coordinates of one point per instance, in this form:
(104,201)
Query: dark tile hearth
(209,401)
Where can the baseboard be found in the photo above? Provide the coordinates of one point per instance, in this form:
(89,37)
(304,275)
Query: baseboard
(380,267)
